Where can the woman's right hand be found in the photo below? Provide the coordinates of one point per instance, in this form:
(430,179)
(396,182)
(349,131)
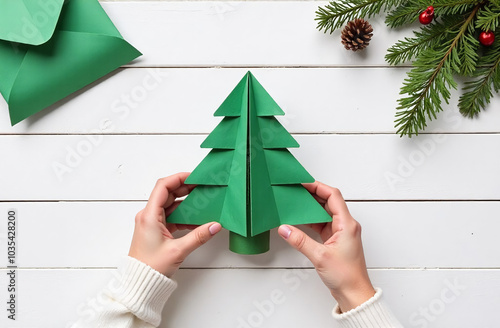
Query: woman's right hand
(339,260)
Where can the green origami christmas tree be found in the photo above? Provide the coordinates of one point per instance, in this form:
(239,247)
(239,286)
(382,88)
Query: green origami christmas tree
(249,182)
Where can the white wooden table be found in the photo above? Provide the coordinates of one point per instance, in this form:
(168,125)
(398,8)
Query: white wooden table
(78,172)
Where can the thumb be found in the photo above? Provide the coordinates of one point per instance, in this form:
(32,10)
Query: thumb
(198,237)
(298,240)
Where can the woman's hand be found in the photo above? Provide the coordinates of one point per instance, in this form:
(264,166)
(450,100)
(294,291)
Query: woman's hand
(339,260)
(153,242)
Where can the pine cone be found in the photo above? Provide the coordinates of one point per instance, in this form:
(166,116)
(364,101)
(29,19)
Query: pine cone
(357,34)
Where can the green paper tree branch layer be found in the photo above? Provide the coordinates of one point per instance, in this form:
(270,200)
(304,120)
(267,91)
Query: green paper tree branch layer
(249,182)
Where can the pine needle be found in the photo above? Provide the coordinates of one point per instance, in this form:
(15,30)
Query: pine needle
(447,47)
(409,13)
(428,82)
(338,13)
(488,18)
(478,93)
(427,37)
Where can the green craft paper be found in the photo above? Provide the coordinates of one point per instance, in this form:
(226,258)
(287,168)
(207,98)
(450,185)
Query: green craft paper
(296,205)
(249,182)
(235,102)
(211,171)
(264,214)
(295,173)
(263,104)
(274,135)
(29,21)
(204,205)
(224,135)
(249,245)
(72,48)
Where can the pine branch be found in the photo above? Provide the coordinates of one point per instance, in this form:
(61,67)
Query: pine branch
(408,13)
(431,76)
(428,82)
(478,92)
(405,14)
(454,7)
(467,48)
(488,18)
(428,37)
(338,13)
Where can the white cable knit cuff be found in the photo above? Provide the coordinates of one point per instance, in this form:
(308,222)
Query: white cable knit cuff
(142,290)
(371,314)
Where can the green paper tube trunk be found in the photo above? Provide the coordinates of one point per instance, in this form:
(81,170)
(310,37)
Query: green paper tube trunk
(249,245)
(249,181)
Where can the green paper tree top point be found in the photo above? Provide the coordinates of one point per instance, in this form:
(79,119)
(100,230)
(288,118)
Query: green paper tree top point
(249,182)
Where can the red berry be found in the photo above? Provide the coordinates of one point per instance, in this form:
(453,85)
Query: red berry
(487,38)
(426,16)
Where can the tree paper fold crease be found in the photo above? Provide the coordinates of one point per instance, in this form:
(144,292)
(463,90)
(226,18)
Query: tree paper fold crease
(249,181)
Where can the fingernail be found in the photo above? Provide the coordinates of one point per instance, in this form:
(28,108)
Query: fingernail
(214,228)
(284,231)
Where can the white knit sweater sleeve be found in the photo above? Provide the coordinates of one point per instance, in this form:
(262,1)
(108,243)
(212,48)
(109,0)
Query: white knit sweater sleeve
(135,297)
(374,313)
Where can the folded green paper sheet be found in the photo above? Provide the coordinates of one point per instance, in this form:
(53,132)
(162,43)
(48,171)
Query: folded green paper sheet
(52,48)
(249,182)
